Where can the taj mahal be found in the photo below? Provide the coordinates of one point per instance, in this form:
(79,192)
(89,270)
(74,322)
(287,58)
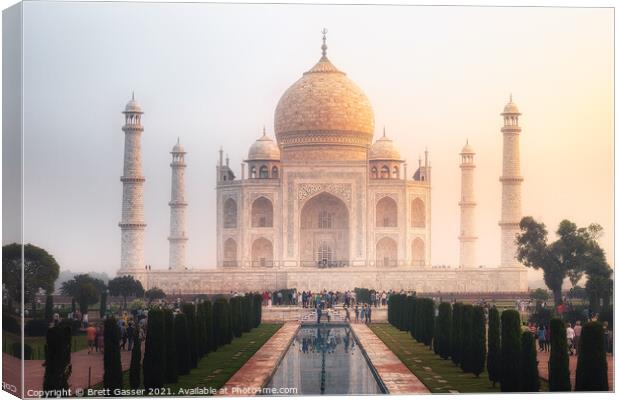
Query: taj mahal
(322,205)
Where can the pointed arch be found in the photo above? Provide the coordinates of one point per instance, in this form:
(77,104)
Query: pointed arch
(387,252)
(418,214)
(230,213)
(262,213)
(262,253)
(230,253)
(386,214)
(417,252)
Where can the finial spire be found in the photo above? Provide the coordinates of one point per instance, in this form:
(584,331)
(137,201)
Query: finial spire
(264,131)
(511,97)
(178,140)
(324,46)
(383,130)
(132,96)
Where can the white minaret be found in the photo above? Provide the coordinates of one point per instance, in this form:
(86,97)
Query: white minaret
(467,236)
(132,219)
(511,185)
(177,237)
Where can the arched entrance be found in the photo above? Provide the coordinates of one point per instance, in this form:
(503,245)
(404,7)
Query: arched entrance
(324,232)
(417,252)
(262,253)
(387,252)
(230,253)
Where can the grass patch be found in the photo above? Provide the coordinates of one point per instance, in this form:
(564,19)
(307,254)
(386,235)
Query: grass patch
(439,375)
(37,343)
(216,368)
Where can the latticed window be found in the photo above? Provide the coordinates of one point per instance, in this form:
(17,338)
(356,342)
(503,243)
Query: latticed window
(264,172)
(325,220)
(325,253)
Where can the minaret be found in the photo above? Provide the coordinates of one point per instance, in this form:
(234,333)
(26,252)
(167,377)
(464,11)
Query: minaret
(132,219)
(467,236)
(511,185)
(177,204)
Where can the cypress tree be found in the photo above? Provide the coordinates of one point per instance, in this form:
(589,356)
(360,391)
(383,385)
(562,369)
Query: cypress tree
(494,366)
(190,313)
(457,338)
(57,358)
(466,333)
(592,362)
(478,341)
(443,333)
(559,374)
(210,339)
(49,307)
(511,351)
(529,380)
(136,355)
(112,368)
(247,313)
(227,323)
(103,304)
(200,330)
(413,324)
(154,362)
(429,322)
(181,338)
(235,316)
(259,309)
(170,343)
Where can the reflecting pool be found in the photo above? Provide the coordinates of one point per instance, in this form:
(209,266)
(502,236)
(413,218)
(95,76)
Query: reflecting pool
(325,360)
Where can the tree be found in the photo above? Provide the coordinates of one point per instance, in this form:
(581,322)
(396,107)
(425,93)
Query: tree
(574,252)
(210,339)
(154,294)
(181,338)
(478,341)
(577,292)
(559,375)
(170,343)
(103,304)
(154,362)
(529,380)
(539,295)
(84,289)
(511,351)
(40,271)
(190,313)
(112,368)
(136,356)
(494,366)
(429,322)
(467,343)
(201,330)
(57,358)
(125,286)
(591,372)
(49,307)
(457,339)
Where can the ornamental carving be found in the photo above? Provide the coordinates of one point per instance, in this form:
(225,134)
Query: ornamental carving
(307,190)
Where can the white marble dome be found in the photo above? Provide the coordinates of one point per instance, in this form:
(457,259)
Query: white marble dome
(264,148)
(384,149)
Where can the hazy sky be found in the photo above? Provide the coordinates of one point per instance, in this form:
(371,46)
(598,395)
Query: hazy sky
(213,74)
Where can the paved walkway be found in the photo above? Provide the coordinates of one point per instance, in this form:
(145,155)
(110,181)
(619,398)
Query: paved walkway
(395,375)
(255,373)
(543,368)
(81,362)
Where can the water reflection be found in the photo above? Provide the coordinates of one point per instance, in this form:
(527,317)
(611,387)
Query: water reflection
(325,360)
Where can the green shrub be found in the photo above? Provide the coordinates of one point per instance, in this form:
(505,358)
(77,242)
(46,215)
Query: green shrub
(457,338)
(136,355)
(494,366)
(413,315)
(592,362)
(154,362)
(235,316)
(36,327)
(181,338)
(201,330)
(210,339)
(10,324)
(443,333)
(103,304)
(529,380)
(429,322)
(511,351)
(221,322)
(49,307)
(57,358)
(170,343)
(466,334)
(190,313)
(16,350)
(112,368)
(478,341)
(559,374)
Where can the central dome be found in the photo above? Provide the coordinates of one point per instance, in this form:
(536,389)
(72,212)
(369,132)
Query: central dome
(324,107)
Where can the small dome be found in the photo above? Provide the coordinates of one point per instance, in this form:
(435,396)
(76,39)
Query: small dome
(511,108)
(178,148)
(467,149)
(133,106)
(384,149)
(264,149)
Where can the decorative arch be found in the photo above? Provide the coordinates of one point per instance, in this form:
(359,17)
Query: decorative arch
(385,172)
(417,252)
(374,173)
(387,252)
(418,214)
(386,213)
(262,213)
(274,172)
(230,253)
(230,213)
(263,172)
(395,173)
(262,253)
(253,172)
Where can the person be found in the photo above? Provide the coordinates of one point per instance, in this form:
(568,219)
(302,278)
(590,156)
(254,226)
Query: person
(570,337)
(541,338)
(357,313)
(56,319)
(85,320)
(91,334)
(547,339)
(123,335)
(363,313)
(130,336)
(98,339)
(577,330)
(369,315)
(279,298)
(347,316)
(318,314)
(329,314)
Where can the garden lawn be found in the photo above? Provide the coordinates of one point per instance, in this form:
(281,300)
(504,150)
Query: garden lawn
(37,343)
(439,375)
